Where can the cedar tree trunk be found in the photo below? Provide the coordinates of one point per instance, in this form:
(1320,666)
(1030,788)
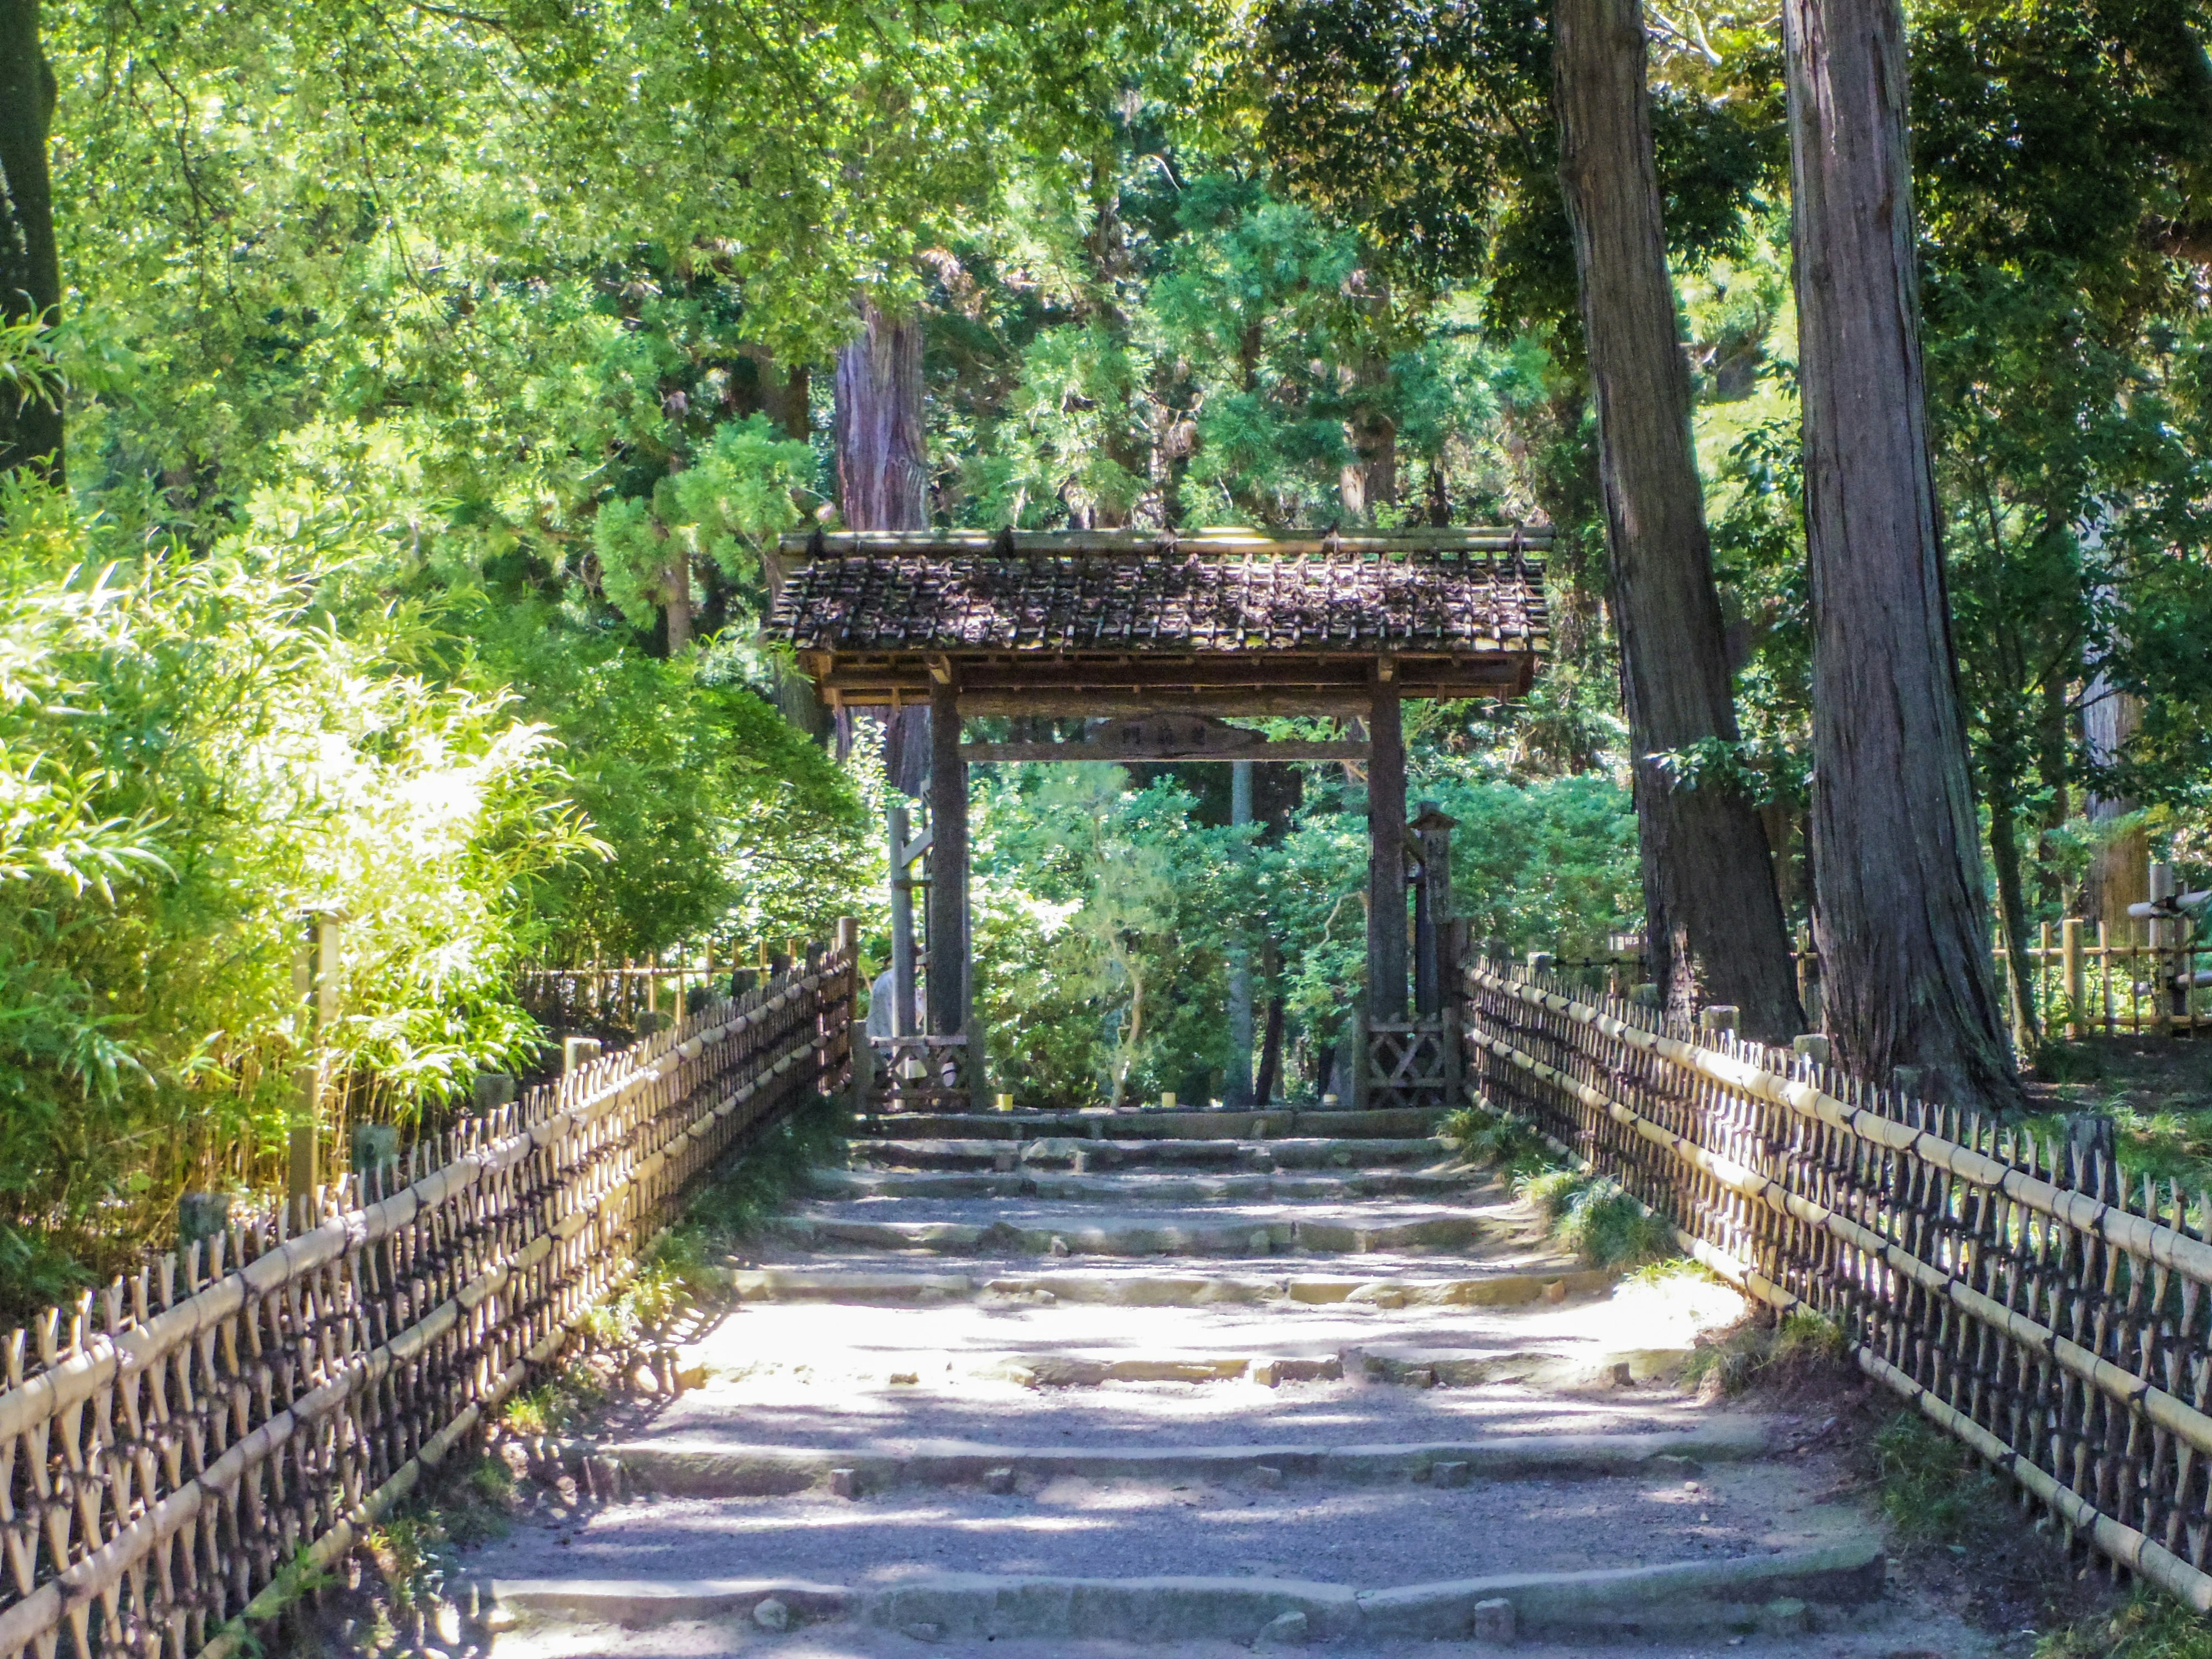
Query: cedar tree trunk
(882,468)
(1904,930)
(883,476)
(1716,925)
(30,268)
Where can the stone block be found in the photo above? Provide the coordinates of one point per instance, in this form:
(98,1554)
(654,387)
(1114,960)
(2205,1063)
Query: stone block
(769,1613)
(1289,1629)
(1266,1475)
(1000,1482)
(845,1483)
(1785,1616)
(1447,1475)
(1494,1621)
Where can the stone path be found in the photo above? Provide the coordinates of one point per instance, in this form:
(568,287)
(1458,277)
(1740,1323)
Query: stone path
(1146,1382)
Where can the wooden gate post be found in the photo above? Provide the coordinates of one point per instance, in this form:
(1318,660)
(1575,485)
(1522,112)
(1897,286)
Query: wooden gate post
(1386,863)
(948,887)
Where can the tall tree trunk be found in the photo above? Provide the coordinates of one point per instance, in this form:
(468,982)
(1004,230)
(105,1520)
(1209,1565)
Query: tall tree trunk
(30,267)
(2120,871)
(1716,925)
(883,475)
(781,393)
(883,471)
(1904,932)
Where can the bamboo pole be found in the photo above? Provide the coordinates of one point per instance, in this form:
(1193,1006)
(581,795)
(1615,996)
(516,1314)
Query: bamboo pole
(2070,934)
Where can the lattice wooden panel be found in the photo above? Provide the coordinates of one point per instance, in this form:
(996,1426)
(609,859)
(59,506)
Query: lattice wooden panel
(2012,1289)
(171,1446)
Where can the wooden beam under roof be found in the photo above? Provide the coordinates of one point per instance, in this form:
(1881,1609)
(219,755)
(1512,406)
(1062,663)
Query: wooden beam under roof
(1223,541)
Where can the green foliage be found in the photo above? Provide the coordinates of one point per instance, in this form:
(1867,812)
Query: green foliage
(1801,1347)
(2149,1625)
(192,757)
(1591,1215)
(1102,962)
(1932,1488)
(1500,1141)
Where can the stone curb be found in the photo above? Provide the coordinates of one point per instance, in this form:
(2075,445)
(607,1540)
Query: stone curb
(1257,1236)
(1156,1290)
(1144,1187)
(1278,1122)
(1080,1153)
(943,1605)
(712,1470)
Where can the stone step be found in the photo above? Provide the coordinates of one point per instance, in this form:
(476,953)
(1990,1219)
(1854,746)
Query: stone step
(1039,1231)
(1380,1284)
(1153,1123)
(1083,1157)
(699,1467)
(1825,1586)
(1151,1187)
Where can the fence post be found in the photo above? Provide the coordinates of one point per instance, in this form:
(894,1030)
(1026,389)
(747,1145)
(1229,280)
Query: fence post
(2070,959)
(861,1054)
(2162,931)
(315,982)
(576,1053)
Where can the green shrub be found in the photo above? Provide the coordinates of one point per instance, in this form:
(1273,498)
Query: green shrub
(1595,1218)
(1932,1486)
(1801,1345)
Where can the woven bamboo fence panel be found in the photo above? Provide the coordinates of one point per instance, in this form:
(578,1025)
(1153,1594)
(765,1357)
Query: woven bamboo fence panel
(2012,1289)
(177,1449)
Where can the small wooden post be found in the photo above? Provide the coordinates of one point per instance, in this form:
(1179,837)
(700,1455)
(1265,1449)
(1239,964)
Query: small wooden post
(315,982)
(2070,959)
(2105,976)
(1808,973)
(2163,930)
(1432,907)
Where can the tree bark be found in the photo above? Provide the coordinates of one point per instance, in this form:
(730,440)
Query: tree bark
(1716,928)
(882,472)
(883,476)
(1904,930)
(779,393)
(30,265)
(2119,872)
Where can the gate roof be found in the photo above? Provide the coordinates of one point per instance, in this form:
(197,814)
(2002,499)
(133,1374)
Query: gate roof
(1099,621)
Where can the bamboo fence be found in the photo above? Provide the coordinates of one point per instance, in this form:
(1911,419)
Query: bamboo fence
(2085,979)
(178,1451)
(602,995)
(2011,1288)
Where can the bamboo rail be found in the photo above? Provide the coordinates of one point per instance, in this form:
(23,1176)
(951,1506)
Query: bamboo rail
(2013,1290)
(2085,979)
(173,1447)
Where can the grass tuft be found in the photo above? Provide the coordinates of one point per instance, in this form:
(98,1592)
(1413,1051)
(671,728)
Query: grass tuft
(1593,1217)
(1798,1347)
(2149,1625)
(1497,1139)
(1933,1488)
